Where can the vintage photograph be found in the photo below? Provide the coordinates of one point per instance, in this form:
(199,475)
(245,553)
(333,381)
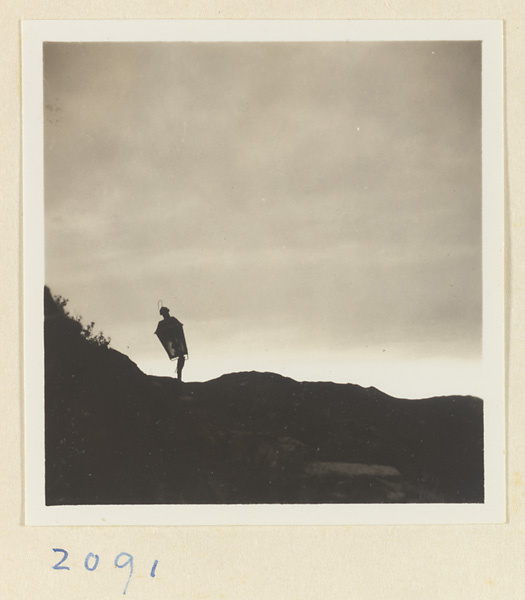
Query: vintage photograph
(264,273)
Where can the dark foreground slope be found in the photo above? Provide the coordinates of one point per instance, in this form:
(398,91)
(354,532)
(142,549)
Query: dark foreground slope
(117,436)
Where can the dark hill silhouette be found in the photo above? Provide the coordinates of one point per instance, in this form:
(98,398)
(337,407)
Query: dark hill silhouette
(117,436)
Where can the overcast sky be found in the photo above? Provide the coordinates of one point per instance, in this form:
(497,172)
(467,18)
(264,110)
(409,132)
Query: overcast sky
(300,207)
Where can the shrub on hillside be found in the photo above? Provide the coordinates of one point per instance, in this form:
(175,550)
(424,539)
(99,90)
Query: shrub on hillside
(56,305)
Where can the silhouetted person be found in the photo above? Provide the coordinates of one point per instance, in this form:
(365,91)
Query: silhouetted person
(171,334)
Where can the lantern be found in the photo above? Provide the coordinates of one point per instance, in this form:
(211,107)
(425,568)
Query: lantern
(171,335)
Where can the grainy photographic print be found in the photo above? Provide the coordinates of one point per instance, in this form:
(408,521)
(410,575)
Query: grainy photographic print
(264,280)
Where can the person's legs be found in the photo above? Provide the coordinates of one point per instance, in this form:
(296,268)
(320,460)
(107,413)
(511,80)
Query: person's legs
(180,366)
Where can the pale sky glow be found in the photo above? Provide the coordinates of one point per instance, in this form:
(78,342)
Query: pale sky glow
(303,208)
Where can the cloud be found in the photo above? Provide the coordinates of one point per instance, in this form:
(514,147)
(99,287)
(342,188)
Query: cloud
(327,193)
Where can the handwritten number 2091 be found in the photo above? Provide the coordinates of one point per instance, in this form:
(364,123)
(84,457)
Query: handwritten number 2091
(122,560)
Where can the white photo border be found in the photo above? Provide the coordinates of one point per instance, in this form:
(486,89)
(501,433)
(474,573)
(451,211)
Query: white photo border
(490,33)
